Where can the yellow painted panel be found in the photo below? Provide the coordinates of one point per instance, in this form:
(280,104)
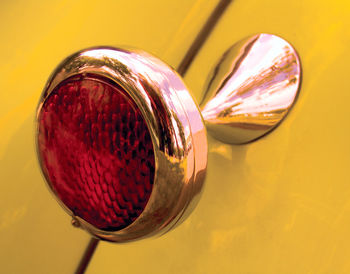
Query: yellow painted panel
(282,203)
(35,233)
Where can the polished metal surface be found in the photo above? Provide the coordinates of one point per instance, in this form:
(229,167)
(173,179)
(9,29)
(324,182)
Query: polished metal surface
(251,89)
(175,124)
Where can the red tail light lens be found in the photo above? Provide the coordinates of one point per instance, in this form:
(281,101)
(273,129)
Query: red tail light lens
(121,143)
(96,151)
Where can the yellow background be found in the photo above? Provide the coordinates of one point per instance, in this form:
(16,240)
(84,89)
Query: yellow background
(279,205)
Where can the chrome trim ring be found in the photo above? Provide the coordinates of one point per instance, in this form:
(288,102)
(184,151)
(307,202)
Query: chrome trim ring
(175,124)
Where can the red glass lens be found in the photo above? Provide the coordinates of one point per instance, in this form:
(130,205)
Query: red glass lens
(96,151)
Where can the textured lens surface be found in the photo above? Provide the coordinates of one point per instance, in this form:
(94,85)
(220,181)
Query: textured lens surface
(96,152)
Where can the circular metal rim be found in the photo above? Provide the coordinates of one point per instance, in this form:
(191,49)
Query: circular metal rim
(147,79)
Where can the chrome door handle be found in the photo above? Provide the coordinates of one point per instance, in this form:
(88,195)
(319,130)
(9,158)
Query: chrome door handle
(252,88)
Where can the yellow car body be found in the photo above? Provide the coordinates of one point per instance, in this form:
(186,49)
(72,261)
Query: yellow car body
(278,205)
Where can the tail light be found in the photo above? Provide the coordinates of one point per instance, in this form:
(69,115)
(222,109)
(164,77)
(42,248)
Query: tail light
(121,143)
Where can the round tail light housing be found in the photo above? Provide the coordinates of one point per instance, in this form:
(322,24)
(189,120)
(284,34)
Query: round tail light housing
(121,143)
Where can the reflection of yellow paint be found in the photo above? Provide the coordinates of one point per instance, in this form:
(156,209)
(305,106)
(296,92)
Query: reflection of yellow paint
(221,150)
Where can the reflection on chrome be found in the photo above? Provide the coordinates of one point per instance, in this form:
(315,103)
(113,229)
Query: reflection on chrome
(251,89)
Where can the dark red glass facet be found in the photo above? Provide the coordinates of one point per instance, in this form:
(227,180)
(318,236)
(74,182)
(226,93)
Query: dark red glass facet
(96,151)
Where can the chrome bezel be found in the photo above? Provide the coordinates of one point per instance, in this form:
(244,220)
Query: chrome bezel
(180,160)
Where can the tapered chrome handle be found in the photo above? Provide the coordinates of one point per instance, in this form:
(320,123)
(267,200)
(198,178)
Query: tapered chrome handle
(252,88)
